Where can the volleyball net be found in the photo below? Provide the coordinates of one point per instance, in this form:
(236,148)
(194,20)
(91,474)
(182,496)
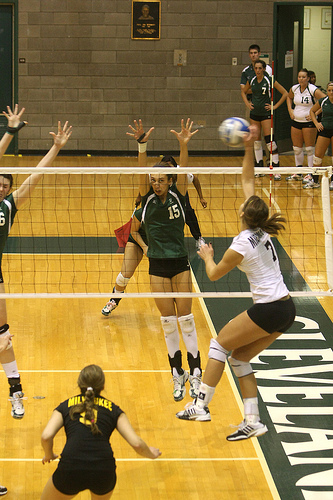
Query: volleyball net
(63,240)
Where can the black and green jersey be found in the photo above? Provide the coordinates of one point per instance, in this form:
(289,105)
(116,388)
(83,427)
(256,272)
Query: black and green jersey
(142,232)
(327,115)
(164,224)
(248,73)
(261,95)
(7,213)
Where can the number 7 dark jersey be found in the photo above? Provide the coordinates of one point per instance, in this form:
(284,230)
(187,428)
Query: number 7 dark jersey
(260,264)
(164,224)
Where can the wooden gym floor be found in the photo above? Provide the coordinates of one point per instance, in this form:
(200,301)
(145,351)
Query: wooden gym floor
(55,338)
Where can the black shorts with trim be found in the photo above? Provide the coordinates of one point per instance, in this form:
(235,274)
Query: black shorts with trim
(71,482)
(300,125)
(260,118)
(277,316)
(168,268)
(327,132)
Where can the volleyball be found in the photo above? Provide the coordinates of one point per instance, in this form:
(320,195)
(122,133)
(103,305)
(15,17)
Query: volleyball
(232,130)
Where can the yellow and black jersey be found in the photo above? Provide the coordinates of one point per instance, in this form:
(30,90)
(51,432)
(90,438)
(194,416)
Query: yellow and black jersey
(82,446)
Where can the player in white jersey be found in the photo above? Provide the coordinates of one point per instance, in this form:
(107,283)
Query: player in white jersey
(252,331)
(301,98)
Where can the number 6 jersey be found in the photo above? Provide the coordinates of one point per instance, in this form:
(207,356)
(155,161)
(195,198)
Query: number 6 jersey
(260,264)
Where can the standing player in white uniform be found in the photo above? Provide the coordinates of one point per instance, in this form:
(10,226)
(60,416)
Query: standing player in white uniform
(303,95)
(252,331)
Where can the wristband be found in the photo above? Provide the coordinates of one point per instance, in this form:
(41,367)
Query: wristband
(14,130)
(141,137)
(142,147)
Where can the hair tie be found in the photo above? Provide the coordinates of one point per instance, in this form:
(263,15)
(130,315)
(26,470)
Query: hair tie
(90,389)
(92,421)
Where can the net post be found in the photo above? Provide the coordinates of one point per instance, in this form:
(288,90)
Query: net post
(326,207)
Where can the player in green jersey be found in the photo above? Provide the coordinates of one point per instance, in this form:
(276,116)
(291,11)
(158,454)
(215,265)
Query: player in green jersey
(9,204)
(260,108)
(325,132)
(163,217)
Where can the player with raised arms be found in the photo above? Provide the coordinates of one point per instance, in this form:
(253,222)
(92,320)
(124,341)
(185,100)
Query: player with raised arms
(9,204)
(163,217)
(254,330)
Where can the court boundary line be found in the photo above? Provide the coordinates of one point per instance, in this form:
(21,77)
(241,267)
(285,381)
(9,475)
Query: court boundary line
(180,459)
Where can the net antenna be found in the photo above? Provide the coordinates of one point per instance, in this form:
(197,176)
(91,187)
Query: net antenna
(271,148)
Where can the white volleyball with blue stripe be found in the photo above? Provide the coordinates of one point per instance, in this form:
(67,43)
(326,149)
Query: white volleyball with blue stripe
(232,130)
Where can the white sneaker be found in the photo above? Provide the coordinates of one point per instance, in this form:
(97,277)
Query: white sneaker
(3,490)
(109,307)
(192,412)
(179,386)
(195,386)
(17,405)
(311,185)
(277,177)
(307,178)
(199,242)
(246,431)
(294,177)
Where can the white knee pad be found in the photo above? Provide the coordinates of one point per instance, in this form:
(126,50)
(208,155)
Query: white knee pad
(240,368)
(216,351)
(310,150)
(187,324)
(121,281)
(169,324)
(257,145)
(297,150)
(317,161)
(274,146)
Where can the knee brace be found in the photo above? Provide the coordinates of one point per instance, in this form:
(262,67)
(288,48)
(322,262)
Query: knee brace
(4,328)
(217,352)
(309,150)
(257,145)
(187,324)
(240,368)
(317,161)
(121,281)
(297,150)
(268,144)
(169,324)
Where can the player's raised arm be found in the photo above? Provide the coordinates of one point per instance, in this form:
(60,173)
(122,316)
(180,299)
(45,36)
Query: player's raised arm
(138,133)
(23,193)
(183,137)
(14,125)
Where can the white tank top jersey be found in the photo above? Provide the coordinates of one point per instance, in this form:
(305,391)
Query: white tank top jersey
(303,101)
(260,264)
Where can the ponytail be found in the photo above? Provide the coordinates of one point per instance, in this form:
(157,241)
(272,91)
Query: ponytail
(91,382)
(256,216)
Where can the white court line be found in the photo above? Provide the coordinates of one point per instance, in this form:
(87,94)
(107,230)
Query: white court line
(253,459)
(105,371)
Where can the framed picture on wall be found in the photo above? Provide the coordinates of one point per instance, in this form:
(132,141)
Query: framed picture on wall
(326,18)
(146,19)
(307,18)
